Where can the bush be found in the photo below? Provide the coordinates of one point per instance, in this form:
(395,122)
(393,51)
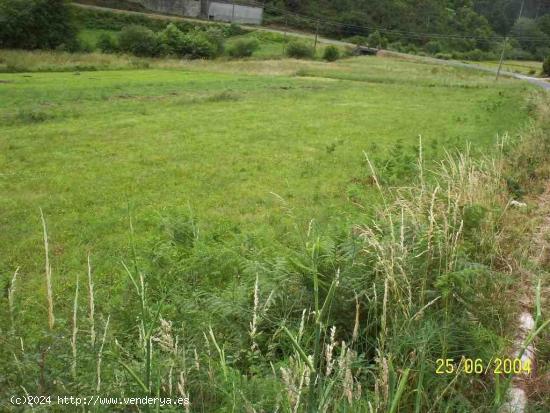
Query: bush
(433,47)
(196,45)
(299,50)
(331,54)
(107,43)
(519,54)
(216,36)
(358,40)
(83,46)
(546,66)
(243,48)
(233,30)
(172,40)
(444,56)
(139,41)
(475,55)
(36,24)
(377,40)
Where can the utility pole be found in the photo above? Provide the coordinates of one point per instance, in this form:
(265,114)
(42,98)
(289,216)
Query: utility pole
(506,42)
(316,37)
(233,14)
(502,57)
(521,9)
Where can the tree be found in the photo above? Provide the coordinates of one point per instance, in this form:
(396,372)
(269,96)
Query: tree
(377,40)
(546,66)
(36,24)
(139,41)
(543,23)
(528,34)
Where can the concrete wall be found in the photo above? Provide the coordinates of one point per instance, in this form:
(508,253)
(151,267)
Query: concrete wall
(243,14)
(190,8)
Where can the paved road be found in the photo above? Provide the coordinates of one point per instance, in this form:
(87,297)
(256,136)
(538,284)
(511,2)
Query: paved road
(536,81)
(543,83)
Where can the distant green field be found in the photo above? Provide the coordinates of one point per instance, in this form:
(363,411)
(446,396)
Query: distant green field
(517,66)
(84,146)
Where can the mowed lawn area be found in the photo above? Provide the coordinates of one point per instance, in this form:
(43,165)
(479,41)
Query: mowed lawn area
(236,144)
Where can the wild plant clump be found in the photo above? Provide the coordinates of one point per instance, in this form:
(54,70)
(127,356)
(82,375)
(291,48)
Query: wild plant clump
(243,48)
(546,66)
(299,50)
(195,44)
(107,43)
(140,41)
(37,24)
(331,54)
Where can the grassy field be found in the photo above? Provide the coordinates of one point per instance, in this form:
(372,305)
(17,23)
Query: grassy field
(517,66)
(223,168)
(221,143)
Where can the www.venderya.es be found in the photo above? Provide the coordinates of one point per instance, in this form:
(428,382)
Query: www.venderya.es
(98,401)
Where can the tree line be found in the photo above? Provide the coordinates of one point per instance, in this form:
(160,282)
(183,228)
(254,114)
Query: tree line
(435,26)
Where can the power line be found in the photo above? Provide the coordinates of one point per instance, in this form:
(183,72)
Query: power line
(409,34)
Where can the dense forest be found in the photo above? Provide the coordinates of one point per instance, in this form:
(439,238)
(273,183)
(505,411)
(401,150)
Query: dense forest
(476,27)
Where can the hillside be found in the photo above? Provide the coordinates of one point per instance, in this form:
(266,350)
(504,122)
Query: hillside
(432,25)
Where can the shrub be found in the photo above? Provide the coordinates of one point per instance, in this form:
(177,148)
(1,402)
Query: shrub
(83,46)
(107,43)
(331,54)
(196,45)
(546,66)
(475,55)
(377,40)
(433,47)
(444,56)
(216,36)
(172,40)
(139,41)
(36,24)
(519,54)
(299,50)
(358,40)
(243,48)
(233,30)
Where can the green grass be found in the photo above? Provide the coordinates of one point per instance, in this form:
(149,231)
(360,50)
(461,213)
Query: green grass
(219,142)
(523,67)
(232,170)
(91,36)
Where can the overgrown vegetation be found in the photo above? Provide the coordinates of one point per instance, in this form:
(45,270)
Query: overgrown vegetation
(140,41)
(299,50)
(465,30)
(243,48)
(37,24)
(546,66)
(240,248)
(331,54)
